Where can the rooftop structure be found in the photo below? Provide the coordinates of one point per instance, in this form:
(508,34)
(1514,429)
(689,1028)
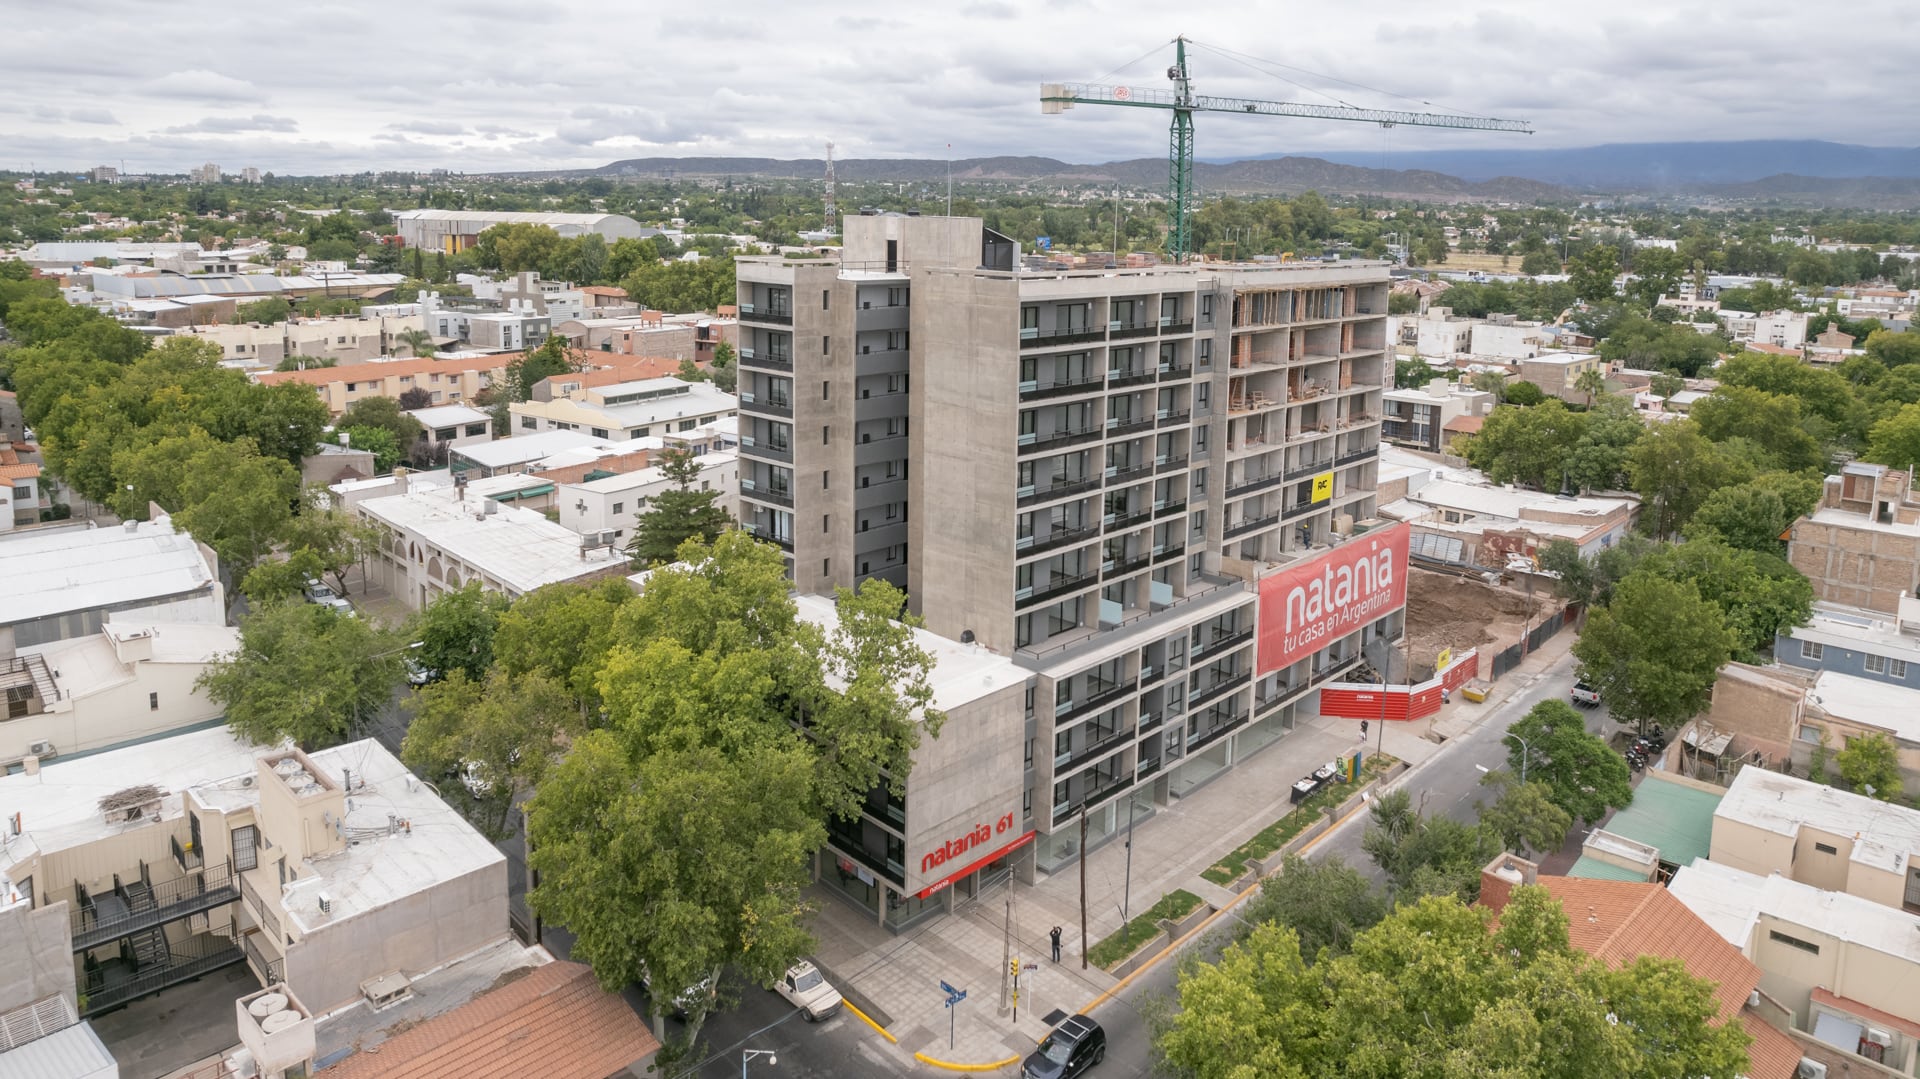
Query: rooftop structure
(518,453)
(1459,516)
(626,410)
(1861,546)
(450,231)
(1671,819)
(62,582)
(1774,823)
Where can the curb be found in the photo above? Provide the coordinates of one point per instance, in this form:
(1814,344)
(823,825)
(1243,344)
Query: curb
(877,1028)
(995,1066)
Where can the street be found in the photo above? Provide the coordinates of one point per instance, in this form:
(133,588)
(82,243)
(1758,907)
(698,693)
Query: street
(1448,784)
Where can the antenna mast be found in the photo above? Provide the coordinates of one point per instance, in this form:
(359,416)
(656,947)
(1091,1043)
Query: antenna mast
(831,210)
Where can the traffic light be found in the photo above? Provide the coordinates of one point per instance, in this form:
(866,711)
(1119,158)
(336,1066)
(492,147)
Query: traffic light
(1014,966)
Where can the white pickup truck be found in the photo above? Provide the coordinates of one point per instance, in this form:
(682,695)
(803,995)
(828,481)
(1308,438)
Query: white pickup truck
(806,990)
(1585,695)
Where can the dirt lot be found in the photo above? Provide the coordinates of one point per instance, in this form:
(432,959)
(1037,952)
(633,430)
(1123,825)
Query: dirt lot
(1445,611)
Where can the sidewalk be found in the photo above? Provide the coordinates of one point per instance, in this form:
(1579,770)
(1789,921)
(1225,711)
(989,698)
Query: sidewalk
(901,975)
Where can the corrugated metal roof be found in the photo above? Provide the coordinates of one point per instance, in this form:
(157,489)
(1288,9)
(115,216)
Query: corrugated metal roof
(73,1053)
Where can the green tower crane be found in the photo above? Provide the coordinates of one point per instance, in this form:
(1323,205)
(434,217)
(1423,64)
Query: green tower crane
(1060,96)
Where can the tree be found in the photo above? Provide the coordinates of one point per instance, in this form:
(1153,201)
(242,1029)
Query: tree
(1492,382)
(1674,468)
(551,358)
(1326,903)
(384,413)
(1893,349)
(415,397)
(1593,383)
(417,342)
(275,580)
(1871,761)
(1665,384)
(1756,515)
(1769,420)
(456,631)
(379,442)
(1432,992)
(1896,440)
(1411,374)
(1539,262)
(1523,393)
(237,502)
(1527,445)
(562,631)
(1550,745)
(724,371)
(1524,815)
(1656,270)
(1659,346)
(305,363)
(1655,650)
(1426,855)
(303,672)
(1598,460)
(334,538)
(1593,273)
(508,728)
(677,514)
(266,312)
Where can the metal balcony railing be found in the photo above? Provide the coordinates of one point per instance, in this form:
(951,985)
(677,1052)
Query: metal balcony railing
(111,985)
(131,908)
(267,916)
(271,971)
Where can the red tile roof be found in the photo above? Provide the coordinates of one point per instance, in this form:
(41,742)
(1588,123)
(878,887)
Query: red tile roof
(1465,425)
(555,1022)
(1866,1011)
(368,372)
(25,471)
(604,290)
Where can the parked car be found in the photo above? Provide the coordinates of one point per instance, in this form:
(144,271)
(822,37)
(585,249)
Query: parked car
(683,1001)
(807,990)
(318,592)
(1074,1047)
(420,675)
(1585,695)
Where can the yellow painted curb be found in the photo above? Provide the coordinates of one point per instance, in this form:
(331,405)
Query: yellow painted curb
(995,1066)
(877,1028)
(1108,994)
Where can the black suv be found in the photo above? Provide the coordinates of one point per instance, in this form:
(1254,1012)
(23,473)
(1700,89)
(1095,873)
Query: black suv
(1074,1046)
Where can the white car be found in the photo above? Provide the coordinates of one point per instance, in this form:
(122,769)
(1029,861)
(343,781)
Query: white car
(806,990)
(319,593)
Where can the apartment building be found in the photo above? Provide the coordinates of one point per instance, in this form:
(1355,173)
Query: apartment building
(337,873)
(450,231)
(1097,473)
(342,340)
(1772,823)
(65,582)
(626,410)
(1558,373)
(1861,545)
(447,379)
(1417,417)
(454,425)
(612,501)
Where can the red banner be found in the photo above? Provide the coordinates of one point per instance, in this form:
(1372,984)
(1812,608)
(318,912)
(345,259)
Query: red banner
(1308,607)
(947,881)
(1350,700)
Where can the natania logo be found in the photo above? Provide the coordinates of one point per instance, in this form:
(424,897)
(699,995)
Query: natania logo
(1307,607)
(1340,585)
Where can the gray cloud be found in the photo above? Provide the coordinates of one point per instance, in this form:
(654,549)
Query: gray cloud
(893,80)
(236,125)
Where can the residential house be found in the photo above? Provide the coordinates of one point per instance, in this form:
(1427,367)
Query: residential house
(447,379)
(337,873)
(638,409)
(1842,707)
(1459,516)
(1417,417)
(331,463)
(529,451)
(1863,644)
(1667,826)
(1503,338)
(451,231)
(604,370)
(611,502)
(454,425)
(63,582)
(132,680)
(435,540)
(1618,921)
(1778,824)
(1439,335)
(344,340)
(1558,373)
(1861,545)
(22,496)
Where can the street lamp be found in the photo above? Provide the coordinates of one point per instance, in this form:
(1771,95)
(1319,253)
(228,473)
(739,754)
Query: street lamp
(749,1054)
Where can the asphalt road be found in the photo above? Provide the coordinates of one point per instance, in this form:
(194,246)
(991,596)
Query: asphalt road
(1448,783)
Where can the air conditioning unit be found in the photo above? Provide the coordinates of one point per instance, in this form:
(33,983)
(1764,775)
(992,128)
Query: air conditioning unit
(1880,1038)
(1810,1069)
(41,749)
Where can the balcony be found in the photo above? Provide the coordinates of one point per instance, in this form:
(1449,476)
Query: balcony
(1098,792)
(1308,468)
(765,450)
(117,982)
(1360,454)
(1120,567)
(1065,436)
(769,495)
(1053,541)
(777,316)
(268,917)
(1167,551)
(1070,335)
(1173,418)
(1127,519)
(1173,326)
(1141,328)
(1300,508)
(1171,372)
(270,971)
(1249,524)
(1169,509)
(772,361)
(1150,722)
(1119,426)
(1029,496)
(1261,483)
(1171,464)
(1122,475)
(136,907)
(1058,585)
(1096,701)
(1118,379)
(1036,391)
(766,536)
(1213,734)
(1090,753)
(1222,643)
(753,404)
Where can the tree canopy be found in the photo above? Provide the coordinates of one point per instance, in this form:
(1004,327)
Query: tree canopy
(1655,649)
(303,672)
(678,513)
(1582,774)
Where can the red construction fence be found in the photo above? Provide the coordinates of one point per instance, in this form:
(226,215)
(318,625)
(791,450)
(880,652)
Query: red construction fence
(1354,700)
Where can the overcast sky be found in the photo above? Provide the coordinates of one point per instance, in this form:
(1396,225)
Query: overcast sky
(491,84)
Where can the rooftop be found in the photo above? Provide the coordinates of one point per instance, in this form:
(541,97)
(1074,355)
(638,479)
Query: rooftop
(1886,834)
(521,449)
(54,571)
(962,673)
(1731,901)
(642,477)
(1890,707)
(1851,627)
(518,548)
(449,415)
(1673,817)
(379,369)
(86,665)
(60,807)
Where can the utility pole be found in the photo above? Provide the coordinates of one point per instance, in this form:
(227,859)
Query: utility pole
(1006,950)
(1083,886)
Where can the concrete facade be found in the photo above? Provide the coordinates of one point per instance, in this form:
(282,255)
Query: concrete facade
(1770,823)
(1861,545)
(642,408)
(447,379)
(612,503)
(1557,372)
(1417,417)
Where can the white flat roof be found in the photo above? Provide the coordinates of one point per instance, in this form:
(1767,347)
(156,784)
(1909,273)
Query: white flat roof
(1884,705)
(517,547)
(1850,519)
(1886,835)
(74,1052)
(445,415)
(1851,627)
(962,673)
(520,449)
(54,572)
(88,664)
(642,477)
(60,808)
(1731,900)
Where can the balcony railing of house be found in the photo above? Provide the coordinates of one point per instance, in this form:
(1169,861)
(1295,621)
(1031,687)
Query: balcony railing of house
(1170,372)
(136,906)
(1118,379)
(1173,417)
(267,916)
(1034,391)
(1120,475)
(1249,524)
(1140,328)
(1033,337)
(186,856)
(1202,697)
(1214,733)
(1028,496)
(1099,793)
(779,316)
(1169,508)
(1120,567)
(1053,541)
(1056,586)
(761,493)
(772,361)
(768,537)
(271,971)
(1065,436)
(1351,456)
(1258,483)
(110,985)
(1127,518)
(1125,425)
(1170,464)
(1090,752)
(1221,643)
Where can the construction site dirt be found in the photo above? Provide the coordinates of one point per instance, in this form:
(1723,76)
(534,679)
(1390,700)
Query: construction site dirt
(1446,610)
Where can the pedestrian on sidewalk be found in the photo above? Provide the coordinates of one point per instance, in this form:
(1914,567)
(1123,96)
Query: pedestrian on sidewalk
(1054,935)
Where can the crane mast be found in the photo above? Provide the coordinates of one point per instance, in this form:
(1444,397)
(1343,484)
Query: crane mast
(1057,97)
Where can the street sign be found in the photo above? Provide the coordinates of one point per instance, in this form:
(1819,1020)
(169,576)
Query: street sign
(956,998)
(948,989)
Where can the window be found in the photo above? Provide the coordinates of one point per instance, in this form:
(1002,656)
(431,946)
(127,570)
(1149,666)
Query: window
(1810,733)
(245,840)
(826,567)
(1793,942)
(1897,668)
(1826,848)
(1876,664)
(618,506)
(826,522)
(826,344)
(153,702)
(824,432)
(825,295)
(527,423)
(1813,650)
(823,480)
(599,432)
(824,385)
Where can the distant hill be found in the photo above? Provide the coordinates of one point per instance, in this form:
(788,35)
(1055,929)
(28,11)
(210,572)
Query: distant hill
(1660,166)
(1286,175)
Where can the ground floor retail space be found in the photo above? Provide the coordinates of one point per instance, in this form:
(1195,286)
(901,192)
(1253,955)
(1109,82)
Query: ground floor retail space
(896,909)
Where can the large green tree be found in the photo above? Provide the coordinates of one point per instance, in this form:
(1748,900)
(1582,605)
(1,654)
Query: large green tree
(508,729)
(1896,440)
(1326,903)
(1756,515)
(335,538)
(303,672)
(237,502)
(1550,745)
(1770,420)
(456,632)
(1759,594)
(1655,650)
(1434,992)
(678,513)
(564,632)
(1426,855)
(1527,445)
(1524,815)
(1674,468)
(1870,764)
